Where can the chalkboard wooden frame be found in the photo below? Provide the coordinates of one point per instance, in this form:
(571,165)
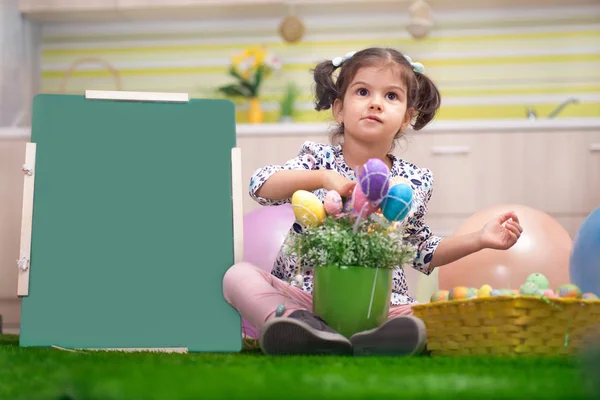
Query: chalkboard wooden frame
(208,311)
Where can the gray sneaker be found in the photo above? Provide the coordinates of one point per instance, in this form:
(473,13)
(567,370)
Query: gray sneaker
(302,332)
(399,336)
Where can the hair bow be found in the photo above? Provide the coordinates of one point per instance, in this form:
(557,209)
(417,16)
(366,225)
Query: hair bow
(340,60)
(416,66)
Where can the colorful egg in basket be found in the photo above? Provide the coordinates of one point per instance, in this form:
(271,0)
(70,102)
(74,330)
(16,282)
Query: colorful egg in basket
(484,291)
(539,280)
(531,322)
(568,290)
(440,295)
(529,288)
(462,293)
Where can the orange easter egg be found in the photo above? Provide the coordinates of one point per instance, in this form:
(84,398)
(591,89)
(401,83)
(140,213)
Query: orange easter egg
(440,295)
(458,293)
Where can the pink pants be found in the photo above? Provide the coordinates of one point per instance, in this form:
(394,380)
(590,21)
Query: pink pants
(255,294)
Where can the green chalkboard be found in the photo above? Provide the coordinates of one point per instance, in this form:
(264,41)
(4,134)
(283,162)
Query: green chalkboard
(132,226)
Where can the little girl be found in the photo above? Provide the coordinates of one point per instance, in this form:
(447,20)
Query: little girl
(378,93)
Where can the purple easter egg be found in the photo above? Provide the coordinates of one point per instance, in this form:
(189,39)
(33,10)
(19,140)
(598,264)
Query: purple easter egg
(374,179)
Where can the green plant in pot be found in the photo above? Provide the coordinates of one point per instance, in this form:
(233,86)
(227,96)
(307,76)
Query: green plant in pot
(249,69)
(352,253)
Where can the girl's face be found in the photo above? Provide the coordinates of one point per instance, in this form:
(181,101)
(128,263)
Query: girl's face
(374,106)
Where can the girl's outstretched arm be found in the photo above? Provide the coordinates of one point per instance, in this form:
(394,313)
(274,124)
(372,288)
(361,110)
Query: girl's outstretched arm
(501,234)
(453,248)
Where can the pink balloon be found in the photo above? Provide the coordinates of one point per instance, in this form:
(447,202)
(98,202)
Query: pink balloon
(265,230)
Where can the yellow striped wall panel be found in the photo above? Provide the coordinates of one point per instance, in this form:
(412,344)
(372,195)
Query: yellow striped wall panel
(488,64)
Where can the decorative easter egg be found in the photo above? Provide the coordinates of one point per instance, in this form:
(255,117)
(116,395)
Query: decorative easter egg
(549,293)
(502,292)
(279,310)
(397,203)
(308,209)
(539,280)
(373,179)
(458,293)
(484,291)
(530,289)
(568,290)
(333,203)
(589,296)
(440,295)
(399,179)
(361,204)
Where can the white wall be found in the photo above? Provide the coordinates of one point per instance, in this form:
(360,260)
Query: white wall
(19,65)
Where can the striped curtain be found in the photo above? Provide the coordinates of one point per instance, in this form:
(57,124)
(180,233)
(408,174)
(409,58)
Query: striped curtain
(488,64)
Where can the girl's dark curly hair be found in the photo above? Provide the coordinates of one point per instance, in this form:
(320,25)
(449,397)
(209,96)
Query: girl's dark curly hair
(422,94)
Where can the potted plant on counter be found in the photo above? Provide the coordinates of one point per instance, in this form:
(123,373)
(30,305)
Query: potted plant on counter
(352,247)
(249,69)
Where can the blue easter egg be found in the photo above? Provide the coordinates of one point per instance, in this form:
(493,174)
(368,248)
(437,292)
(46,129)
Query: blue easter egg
(280,310)
(397,203)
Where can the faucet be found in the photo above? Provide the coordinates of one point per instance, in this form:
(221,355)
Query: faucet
(561,106)
(532,115)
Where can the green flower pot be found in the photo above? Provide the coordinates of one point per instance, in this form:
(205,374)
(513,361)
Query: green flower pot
(342,297)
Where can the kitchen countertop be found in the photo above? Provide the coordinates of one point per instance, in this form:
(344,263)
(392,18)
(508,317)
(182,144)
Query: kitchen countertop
(463,126)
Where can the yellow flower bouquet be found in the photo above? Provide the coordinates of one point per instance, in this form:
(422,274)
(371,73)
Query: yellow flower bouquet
(249,69)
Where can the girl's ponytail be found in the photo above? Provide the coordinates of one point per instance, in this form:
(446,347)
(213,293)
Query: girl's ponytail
(428,101)
(325,90)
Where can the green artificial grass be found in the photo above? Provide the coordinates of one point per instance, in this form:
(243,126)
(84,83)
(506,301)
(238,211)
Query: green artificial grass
(40,373)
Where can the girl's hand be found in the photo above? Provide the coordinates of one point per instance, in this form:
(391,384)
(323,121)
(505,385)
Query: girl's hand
(334,181)
(501,233)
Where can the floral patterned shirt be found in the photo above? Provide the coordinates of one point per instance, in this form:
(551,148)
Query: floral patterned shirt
(315,156)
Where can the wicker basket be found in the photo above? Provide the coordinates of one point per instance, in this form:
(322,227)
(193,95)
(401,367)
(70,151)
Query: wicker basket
(505,325)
